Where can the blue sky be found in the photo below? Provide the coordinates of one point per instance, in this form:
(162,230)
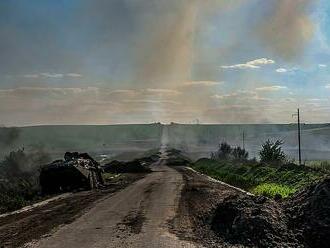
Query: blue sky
(128,61)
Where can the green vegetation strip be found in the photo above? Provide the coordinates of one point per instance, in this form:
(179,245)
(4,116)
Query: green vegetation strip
(260,179)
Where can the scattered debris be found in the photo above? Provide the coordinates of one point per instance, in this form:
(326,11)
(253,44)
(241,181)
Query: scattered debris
(76,171)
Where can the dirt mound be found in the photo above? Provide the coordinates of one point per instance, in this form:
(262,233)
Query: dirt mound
(309,214)
(252,221)
(300,221)
(135,166)
(177,158)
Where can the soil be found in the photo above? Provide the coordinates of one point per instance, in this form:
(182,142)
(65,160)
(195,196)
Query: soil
(18,229)
(200,198)
(309,214)
(195,208)
(253,222)
(216,215)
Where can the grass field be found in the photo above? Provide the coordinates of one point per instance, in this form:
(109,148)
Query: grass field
(261,179)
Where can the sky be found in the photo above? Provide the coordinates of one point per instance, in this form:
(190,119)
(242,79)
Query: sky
(144,61)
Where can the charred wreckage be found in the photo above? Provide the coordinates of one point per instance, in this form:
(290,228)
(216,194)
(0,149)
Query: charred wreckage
(77,171)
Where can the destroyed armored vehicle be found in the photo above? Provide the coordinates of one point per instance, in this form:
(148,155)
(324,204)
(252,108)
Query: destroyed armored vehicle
(77,171)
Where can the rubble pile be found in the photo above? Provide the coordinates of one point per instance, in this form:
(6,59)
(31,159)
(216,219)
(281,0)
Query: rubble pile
(76,171)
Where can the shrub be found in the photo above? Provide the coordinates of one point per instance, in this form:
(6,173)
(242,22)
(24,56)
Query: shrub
(272,153)
(240,154)
(226,152)
(223,153)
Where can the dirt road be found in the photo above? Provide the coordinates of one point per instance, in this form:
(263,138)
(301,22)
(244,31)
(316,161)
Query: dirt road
(138,216)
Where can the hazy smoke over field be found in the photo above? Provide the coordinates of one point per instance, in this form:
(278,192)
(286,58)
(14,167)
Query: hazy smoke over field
(9,135)
(142,61)
(165,52)
(286,26)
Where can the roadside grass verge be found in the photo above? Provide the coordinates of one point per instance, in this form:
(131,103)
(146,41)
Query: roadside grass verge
(318,164)
(260,179)
(273,189)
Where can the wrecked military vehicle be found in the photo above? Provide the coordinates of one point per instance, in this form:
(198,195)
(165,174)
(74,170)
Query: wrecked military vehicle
(78,171)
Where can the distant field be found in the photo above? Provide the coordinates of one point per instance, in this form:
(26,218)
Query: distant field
(97,140)
(196,140)
(199,140)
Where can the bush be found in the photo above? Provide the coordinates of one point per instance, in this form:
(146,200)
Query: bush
(223,153)
(240,154)
(272,153)
(19,179)
(226,152)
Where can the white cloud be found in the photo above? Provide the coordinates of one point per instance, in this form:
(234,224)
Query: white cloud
(203,83)
(322,66)
(327,86)
(281,70)
(74,75)
(31,75)
(254,64)
(151,101)
(317,100)
(163,91)
(262,61)
(272,88)
(52,75)
(240,95)
(286,70)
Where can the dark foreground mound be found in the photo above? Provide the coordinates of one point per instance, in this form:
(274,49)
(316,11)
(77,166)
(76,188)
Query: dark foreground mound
(309,213)
(252,221)
(301,221)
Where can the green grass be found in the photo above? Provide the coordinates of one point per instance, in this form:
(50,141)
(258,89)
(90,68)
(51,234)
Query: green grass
(319,164)
(273,189)
(261,179)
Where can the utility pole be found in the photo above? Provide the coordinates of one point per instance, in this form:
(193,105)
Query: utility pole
(243,140)
(299,135)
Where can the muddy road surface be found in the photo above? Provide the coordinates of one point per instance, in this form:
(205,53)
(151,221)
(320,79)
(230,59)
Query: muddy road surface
(138,216)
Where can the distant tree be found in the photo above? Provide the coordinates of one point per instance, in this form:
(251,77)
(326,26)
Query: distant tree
(240,154)
(271,152)
(224,152)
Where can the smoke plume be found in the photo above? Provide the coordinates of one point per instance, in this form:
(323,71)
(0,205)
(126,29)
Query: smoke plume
(287,28)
